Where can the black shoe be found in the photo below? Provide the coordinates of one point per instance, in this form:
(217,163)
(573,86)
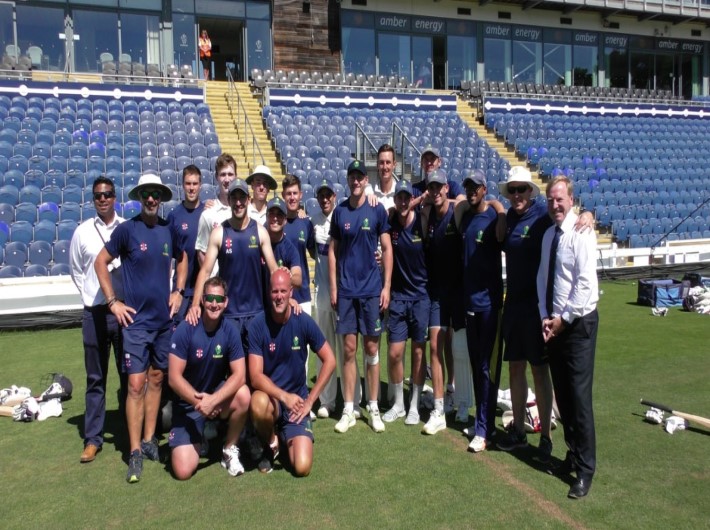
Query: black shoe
(567,467)
(580,488)
(266,464)
(513,439)
(544,450)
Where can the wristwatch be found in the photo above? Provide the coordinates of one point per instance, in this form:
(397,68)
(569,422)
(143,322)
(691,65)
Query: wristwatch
(181,291)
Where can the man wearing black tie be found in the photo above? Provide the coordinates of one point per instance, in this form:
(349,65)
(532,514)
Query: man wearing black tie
(568,293)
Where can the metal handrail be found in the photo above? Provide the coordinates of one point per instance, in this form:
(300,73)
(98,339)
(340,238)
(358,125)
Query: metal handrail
(241,119)
(399,137)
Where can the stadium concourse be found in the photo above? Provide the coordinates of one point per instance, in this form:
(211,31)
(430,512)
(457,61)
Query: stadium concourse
(638,165)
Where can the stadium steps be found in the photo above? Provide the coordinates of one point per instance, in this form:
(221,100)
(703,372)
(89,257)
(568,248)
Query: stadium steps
(231,134)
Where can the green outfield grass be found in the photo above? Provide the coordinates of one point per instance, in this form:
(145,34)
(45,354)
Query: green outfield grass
(646,478)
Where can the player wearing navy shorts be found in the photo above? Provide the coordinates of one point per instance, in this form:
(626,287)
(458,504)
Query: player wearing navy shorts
(281,405)
(238,245)
(358,289)
(184,219)
(285,253)
(483,298)
(207,372)
(146,246)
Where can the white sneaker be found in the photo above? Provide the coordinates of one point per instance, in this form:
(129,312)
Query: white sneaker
(375,421)
(470,432)
(462,413)
(323,412)
(412,417)
(477,445)
(448,402)
(393,414)
(313,416)
(356,414)
(230,461)
(346,421)
(436,423)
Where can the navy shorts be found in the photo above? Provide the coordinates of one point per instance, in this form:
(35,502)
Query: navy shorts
(242,323)
(408,319)
(187,427)
(521,331)
(447,312)
(359,315)
(288,430)
(143,348)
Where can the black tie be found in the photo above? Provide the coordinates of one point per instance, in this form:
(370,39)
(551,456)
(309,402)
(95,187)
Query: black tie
(551,270)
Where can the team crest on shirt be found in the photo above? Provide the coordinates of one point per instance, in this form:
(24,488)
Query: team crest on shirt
(228,246)
(347,226)
(395,237)
(199,353)
(218,352)
(252,242)
(450,229)
(301,236)
(280,263)
(296,345)
(525,233)
(272,347)
(165,250)
(184,226)
(144,247)
(479,236)
(416,236)
(365,224)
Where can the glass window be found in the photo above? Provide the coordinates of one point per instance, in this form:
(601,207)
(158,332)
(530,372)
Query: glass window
(527,62)
(140,38)
(358,50)
(259,10)
(394,55)
(642,70)
(184,42)
(7,39)
(461,54)
(98,32)
(258,44)
(421,57)
(586,59)
(616,66)
(496,59)
(41,26)
(557,67)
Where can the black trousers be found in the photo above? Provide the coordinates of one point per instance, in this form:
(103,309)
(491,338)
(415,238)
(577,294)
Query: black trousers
(571,357)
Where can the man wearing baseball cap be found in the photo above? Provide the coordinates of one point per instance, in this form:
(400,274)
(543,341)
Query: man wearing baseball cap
(285,253)
(146,245)
(237,245)
(483,299)
(358,289)
(431,162)
(261,182)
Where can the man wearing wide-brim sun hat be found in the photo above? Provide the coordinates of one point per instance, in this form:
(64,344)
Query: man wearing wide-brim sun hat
(146,245)
(519,180)
(150,182)
(261,182)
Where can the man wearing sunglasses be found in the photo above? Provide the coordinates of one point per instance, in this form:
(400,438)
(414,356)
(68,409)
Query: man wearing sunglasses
(207,372)
(225,173)
(100,329)
(359,291)
(184,220)
(146,245)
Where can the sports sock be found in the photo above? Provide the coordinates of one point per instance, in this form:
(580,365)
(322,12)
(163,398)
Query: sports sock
(416,392)
(439,405)
(399,395)
(373,405)
(348,407)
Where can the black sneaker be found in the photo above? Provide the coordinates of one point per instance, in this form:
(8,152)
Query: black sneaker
(512,440)
(135,467)
(266,464)
(544,450)
(150,449)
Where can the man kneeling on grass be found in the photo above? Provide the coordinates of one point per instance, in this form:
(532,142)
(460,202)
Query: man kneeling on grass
(278,348)
(201,357)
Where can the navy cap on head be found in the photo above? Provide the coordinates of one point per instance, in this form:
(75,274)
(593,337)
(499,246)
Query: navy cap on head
(403,186)
(477,177)
(438,176)
(324,184)
(238,184)
(358,167)
(276,203)
(431,149)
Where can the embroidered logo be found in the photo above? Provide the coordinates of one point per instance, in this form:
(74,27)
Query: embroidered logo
(184,226)
(252,242)
(165,250)
(301,236)
(479,237)
(366,224)
(144,247)
(296,345)
(347,226)
(525,233)
(228,246)
(217,352)
(199,353)
(272,347)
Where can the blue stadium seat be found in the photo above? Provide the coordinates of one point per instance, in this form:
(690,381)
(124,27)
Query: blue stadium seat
(60,251)
(35,269)
(7,213)
(45,231)
(60,269)
(4,232)
(65,229)
(10,271)
(48,211)
(70,210)
(52,193)
(88,211)
(30,193)
(16,253)
(40,252)
(131,209)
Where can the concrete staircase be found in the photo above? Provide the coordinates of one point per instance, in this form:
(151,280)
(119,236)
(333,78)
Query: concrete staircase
(234,137)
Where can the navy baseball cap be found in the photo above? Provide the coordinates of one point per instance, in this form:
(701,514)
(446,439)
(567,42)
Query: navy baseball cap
(403,186)
(324,184)
(476,177)
(431,149)
(238,184)
(358,167)
(438,176)
(276,203)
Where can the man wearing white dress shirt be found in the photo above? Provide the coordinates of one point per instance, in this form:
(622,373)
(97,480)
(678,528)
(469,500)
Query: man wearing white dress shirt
(568,293)
(100,330)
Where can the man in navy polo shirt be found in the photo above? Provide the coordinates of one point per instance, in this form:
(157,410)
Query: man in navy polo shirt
(278,347)
(146,246)
(285,253)
(358,289)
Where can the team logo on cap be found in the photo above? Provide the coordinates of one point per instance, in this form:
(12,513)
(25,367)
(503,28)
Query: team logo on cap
(356,164)
(217,352)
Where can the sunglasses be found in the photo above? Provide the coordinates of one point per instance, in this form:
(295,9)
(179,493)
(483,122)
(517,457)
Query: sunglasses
(153,194)
(98,195)
(518,189)
(215,298)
